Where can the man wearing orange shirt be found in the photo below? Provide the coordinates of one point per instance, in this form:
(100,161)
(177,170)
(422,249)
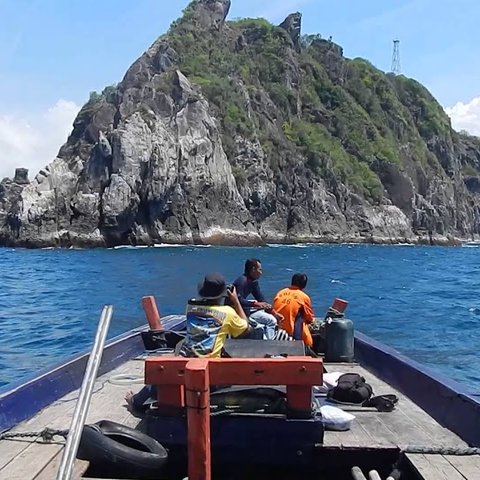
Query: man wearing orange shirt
(296,307)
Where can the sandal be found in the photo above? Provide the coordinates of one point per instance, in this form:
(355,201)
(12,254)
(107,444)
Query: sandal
(383,403)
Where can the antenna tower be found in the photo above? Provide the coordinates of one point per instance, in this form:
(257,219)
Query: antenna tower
(396,57)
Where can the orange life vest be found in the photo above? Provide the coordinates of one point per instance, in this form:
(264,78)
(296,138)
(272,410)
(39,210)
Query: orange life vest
(295,305)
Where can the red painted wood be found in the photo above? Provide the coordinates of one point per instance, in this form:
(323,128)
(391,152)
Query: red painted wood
(171,396)
(171,373)
(299,397)
(197,384)
(151,311)
(239,371)
(267,371)
(165,370)
(340,305)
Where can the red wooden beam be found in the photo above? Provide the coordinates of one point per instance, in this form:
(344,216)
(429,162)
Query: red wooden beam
(266,371)
(165,370)
(239,371)
(197,384)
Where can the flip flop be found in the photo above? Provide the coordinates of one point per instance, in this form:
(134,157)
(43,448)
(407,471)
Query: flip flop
(383,403)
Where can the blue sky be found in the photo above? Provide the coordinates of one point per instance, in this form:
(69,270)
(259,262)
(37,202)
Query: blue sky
(54,52)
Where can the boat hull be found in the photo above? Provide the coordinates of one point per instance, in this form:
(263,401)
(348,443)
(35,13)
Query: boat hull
(450,403)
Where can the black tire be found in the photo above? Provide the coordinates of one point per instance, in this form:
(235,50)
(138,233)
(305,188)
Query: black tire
(122,451)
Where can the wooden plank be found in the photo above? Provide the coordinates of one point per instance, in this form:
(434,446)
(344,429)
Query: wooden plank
(467,465)
(406,432)
(434,467)
(360,435)
(51,469)
(107,402)
(27,466)
(332,438)
(52,417)
(59,414)
(411,424)
(417,418)
(420,420)
(377,429)
(357,436)
(243,371)
(267,371)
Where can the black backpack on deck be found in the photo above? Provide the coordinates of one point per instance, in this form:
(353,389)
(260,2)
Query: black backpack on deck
(351,388)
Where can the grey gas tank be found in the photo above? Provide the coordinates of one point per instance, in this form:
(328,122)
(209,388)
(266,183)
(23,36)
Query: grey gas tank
(339,340)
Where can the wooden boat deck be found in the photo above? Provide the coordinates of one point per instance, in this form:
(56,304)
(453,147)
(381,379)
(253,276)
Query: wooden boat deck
(27,459)
(407,425)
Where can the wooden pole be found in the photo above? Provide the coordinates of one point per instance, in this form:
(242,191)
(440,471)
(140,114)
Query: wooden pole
(151,311)
(197,386)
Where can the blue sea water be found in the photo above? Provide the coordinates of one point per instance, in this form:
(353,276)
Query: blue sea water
(424,301)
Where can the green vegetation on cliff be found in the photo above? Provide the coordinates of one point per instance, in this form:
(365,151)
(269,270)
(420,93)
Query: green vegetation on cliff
(303,102)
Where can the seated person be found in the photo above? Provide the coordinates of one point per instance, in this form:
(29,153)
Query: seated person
(247,284)
(296,307)
(209,323)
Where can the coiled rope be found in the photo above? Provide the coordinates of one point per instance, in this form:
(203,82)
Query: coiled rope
(125,379)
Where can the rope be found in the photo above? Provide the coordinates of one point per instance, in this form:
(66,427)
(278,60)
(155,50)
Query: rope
(442,450)
(125,379)
(218,413)
(62,401)
(46,434)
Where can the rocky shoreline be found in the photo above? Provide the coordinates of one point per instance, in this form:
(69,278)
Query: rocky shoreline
(245,133)
(230,239)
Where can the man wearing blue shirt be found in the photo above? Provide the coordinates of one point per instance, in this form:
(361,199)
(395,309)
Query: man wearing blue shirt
(247,284)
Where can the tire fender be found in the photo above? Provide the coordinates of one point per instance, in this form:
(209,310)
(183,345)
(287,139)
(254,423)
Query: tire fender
(121,449)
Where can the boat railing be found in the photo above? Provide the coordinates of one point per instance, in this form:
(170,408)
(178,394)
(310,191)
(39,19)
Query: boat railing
(84,397)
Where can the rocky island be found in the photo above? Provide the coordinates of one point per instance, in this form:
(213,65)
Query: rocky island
(243,132)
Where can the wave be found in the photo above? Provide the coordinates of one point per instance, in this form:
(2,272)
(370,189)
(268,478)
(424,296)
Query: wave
(294,245)
(158,245)
(169,245)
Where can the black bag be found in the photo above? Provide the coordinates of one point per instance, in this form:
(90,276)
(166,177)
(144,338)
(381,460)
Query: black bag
(351,388)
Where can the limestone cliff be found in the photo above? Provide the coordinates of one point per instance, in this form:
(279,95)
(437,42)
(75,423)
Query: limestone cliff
(242,132)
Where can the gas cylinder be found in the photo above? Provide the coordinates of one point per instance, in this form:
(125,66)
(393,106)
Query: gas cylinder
(339,339)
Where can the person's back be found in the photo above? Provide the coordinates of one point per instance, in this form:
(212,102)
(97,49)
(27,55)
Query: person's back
(209,323)
(296,307)
(208,326)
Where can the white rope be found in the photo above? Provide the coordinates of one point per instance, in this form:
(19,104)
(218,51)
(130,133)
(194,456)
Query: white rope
(126,379)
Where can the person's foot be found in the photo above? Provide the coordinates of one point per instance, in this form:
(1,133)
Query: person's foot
(129,399)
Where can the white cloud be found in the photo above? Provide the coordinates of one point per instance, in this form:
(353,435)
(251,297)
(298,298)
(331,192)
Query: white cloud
(466,116)
(33,141)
